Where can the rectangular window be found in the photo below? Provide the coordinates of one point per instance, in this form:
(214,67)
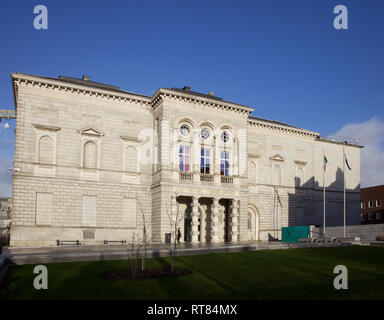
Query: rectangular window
(224,163)
(130,213)
(205,160)
(378,216)
(362,205)
(88,211)
(370,216)
(378,203)
(370,204)
(362,217)
(44,209)
(184,158)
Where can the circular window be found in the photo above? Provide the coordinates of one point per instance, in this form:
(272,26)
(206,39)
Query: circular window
(225,136)
(205,133)
(184,130)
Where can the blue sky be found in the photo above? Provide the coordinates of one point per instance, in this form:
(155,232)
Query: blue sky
(283,58)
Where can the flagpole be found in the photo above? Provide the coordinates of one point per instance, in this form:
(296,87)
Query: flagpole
(344,187)
(324,195)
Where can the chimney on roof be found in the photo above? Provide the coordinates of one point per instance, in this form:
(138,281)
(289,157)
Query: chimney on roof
(86,78)
(186,88)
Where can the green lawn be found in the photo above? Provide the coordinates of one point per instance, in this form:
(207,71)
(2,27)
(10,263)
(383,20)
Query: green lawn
(271,274)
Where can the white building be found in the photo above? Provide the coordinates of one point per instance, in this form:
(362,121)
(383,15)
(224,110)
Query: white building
(90,156)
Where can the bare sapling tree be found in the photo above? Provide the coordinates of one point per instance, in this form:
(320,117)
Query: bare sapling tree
(146,224)
(135,253)
(175,220)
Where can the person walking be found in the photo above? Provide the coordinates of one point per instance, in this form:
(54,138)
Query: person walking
(178,235)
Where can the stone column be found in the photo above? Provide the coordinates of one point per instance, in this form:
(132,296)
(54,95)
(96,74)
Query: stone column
(215,221)
(203,224)
(234,222)
(195,220)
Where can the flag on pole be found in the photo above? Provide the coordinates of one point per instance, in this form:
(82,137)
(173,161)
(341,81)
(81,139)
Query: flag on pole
(325,163)
(346,162)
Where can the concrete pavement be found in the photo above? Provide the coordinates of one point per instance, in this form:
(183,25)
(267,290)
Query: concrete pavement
(71,253)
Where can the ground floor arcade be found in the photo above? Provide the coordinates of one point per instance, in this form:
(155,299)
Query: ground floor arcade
(214,220)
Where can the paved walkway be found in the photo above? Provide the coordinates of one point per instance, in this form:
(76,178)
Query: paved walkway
(117,251)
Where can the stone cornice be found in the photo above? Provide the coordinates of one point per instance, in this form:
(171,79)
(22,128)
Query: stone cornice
(276,157)
(130,138)
(281,128)
(253,156)
(218,104)
(300,162)
(53,84)
(45,127)
(322,139)
(91,131)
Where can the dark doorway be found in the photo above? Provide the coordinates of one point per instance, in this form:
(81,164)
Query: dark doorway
(227,233)
(199,238)
(187,229)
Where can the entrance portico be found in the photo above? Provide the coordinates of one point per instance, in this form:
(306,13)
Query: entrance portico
(208,220)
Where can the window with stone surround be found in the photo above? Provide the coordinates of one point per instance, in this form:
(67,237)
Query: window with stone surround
(130,213)
(45,150)
(224,163)
(184,158)
(90,155)
(276,175)
(299,177)
(130,159)
(44,208)
(88,211)
(205,161)
(252,172)
(90,152)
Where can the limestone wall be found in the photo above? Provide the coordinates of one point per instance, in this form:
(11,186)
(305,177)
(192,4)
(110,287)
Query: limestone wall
(55,195)
(367,232)
(82,175)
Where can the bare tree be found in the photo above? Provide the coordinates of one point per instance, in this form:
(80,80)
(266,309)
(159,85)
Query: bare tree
(174,220)
(146,224)
(135,253)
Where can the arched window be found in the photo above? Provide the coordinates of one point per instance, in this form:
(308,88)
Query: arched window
(276,175)
(251,172)
(46,150)
(90,155)
(249,221)
(130,159)
(300,177)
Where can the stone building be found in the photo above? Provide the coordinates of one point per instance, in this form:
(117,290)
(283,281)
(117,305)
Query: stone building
(92,158)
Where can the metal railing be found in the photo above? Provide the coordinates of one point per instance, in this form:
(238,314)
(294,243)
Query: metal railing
(186,176)
(226,179)
(204,177)
(67,242)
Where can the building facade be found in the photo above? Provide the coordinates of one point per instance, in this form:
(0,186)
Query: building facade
(372,205)
(93,160)
(5,208)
